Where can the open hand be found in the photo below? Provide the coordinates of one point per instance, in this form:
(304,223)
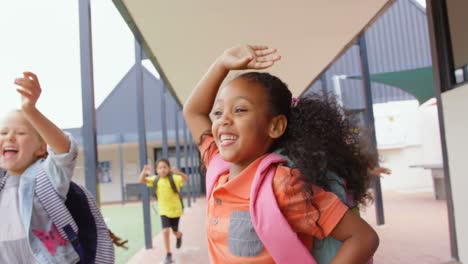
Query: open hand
(30,90)
(378,171)
(249,57)
(147,170)
(383,170)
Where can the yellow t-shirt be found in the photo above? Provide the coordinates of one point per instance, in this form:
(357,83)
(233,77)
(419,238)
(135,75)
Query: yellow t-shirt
(169,203)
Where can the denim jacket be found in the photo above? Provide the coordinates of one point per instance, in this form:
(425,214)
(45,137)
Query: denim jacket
(59,168)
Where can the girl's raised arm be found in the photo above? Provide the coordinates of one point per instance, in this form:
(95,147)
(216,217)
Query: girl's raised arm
(198,106)
(179,172)
(30,91)
(146,171)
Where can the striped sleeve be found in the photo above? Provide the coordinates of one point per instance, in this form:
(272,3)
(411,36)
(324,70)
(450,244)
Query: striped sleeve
(59,167)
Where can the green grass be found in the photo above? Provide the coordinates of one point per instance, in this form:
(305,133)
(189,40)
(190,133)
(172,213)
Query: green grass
(127,222)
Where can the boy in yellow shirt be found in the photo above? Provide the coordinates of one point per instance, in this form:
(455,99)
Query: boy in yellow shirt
(168,183)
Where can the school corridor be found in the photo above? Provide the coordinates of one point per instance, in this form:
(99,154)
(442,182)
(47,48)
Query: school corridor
(415,232)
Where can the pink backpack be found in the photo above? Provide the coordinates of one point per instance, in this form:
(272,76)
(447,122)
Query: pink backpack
(270,225)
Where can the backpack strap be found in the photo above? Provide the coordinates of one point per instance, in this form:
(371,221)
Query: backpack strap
(172,183)
(56,209)
(3,179)
(349,198)
(270,225)
(216,168)
(173,187)
(105,247)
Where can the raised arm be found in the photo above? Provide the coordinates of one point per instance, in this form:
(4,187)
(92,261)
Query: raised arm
(378,171)
(198,106)
(179,172)
(145,172)
(30,90)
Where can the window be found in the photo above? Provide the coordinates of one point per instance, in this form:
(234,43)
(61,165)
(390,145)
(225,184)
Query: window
(105,172)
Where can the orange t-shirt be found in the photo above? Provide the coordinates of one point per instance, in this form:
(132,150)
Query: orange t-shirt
(231,235)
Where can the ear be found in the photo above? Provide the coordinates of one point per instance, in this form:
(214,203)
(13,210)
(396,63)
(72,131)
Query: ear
(278,125)
(41,151)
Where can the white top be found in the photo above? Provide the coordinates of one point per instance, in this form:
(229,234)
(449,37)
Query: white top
(14,245)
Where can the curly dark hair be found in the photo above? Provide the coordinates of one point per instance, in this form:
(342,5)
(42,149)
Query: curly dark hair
(319,138)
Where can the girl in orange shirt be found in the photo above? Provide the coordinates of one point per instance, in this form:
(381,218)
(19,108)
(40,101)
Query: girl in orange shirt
(253,115)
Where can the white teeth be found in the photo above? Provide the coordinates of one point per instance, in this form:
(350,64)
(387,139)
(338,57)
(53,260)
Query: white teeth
(227,137)
(5,149)
(9,148)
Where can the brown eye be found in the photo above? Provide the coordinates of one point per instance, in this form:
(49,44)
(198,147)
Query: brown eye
(217,114)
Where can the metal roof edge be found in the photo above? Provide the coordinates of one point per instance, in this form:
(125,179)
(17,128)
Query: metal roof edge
(136,32)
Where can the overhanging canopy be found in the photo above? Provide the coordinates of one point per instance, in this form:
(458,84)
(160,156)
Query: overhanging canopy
(417,82)
(182,38)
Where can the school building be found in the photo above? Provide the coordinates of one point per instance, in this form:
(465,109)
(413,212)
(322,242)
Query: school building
(117,136)
(397,41)
(385,59)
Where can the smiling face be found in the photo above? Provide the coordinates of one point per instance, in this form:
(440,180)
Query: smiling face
(162,168)
(20,144)
(242,122)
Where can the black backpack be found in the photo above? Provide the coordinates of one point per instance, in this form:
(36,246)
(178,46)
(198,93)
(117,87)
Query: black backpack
(78,219)
(173,187)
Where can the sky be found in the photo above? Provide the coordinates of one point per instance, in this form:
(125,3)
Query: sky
(422,2)
(43,37)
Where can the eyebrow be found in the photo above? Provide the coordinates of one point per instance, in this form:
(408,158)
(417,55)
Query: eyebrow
(235,98)
(15,128)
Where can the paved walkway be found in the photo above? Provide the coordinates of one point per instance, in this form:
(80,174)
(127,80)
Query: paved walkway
(194,248)
(416,231)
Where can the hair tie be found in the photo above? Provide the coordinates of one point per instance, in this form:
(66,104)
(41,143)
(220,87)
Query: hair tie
(294,101)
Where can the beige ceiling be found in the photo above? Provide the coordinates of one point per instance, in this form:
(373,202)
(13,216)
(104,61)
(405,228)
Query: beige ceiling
(182,38)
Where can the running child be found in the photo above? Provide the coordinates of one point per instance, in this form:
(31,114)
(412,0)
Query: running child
(29,141)
(239,127)
(168,183)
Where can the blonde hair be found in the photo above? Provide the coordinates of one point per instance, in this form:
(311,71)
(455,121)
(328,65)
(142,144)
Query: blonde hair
(41,140)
